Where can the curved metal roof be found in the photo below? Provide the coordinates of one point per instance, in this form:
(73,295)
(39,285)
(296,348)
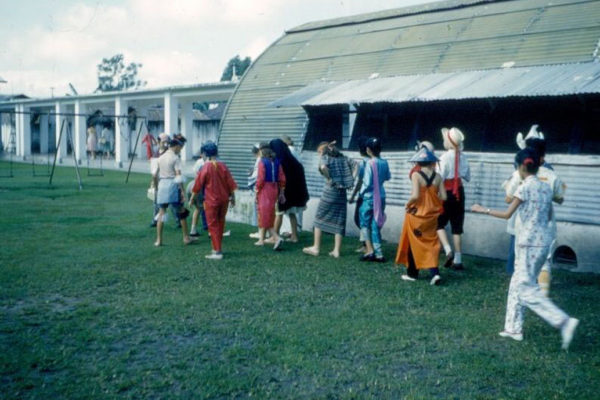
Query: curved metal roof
(446,38)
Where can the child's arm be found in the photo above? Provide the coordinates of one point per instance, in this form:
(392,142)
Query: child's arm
(498,214)
(442,190)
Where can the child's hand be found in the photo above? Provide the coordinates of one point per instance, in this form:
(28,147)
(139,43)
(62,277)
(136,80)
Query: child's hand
(477,208)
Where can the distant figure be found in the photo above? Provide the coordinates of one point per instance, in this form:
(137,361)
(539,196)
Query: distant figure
(419,247)
(92,142)
(105,141)
(331,213)
(270,186)
(218,186)
(454,169)
(532,202)
(151,143)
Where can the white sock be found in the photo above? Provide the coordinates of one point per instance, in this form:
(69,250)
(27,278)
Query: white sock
(447,249)
(193,230)
(458,258)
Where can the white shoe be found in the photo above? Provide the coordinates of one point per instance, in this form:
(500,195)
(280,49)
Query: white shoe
(254,235)
(278,244)
(436,280)
(407,278)
(567,331)
(214,256)
(515,336)
(226,233)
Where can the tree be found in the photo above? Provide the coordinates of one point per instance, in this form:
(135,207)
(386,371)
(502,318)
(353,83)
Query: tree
(240,67)
(114,75)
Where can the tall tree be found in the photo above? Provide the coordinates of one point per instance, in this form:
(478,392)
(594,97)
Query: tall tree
(114,75)
(240,67)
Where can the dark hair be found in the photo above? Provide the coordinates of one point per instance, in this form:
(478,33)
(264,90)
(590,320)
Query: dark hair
(375,145)
(425,163)
(178,140)
(266,150)
(539,145)
(530,158)
(362,145)
(255,149)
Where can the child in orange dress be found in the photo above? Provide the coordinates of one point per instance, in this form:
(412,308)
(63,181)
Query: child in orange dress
(419,247)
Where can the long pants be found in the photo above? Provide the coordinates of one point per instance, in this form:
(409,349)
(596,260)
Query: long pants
(368,226)
(524,291)
(510,262)
(215,217)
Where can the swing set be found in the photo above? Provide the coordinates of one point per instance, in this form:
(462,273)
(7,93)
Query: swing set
(65,128)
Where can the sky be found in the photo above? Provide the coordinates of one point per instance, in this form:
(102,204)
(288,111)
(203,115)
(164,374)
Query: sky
(48,44)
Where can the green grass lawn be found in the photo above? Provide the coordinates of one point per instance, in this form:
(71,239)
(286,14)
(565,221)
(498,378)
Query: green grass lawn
(89,309)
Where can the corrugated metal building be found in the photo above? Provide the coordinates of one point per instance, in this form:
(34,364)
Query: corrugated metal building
(492,68)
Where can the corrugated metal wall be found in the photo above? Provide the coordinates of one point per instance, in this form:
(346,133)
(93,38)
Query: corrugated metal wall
(488,171)
(390,43)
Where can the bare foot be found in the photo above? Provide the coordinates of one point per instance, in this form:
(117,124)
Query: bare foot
(260,243)
(187,240)
(311,251)
(334,254)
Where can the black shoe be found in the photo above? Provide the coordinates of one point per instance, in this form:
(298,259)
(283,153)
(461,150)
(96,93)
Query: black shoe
(458,267)
(367,257)
(379,259)
(195,234)
(152,224)
(449,260)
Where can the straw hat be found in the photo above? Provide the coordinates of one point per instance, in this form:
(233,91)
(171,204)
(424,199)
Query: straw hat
(454,136)
(532,134)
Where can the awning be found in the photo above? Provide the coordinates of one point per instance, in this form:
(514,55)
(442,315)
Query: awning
(550,80)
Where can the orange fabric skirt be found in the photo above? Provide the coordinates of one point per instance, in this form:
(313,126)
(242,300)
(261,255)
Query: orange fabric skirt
(419,232)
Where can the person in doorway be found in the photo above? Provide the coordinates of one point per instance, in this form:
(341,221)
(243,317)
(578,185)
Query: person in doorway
(296,194)
(92,142)
(372,209)
(337,170)
(454,170)
(170,190)
(105,141)
(218,186)
(270,187)
(419,247)
(533,203)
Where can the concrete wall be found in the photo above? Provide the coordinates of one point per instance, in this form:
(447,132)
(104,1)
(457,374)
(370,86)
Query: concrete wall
(484,236)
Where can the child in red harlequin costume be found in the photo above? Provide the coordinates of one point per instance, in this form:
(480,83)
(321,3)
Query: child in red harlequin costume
(218,186)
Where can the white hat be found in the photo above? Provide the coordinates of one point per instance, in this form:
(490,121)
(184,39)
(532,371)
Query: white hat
(454,136)
(424,143)
(533,134)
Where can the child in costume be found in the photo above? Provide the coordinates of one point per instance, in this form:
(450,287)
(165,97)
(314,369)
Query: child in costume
(170,189)
(454,169)
(372,216)
(419,247)
(218,186)
(198,199)
(533,203)
(270,184)
(360,174)
(331,212)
